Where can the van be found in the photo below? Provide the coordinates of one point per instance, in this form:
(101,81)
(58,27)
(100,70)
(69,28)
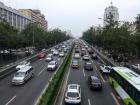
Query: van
(23,75)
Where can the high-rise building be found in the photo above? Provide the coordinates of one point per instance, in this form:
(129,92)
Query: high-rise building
(36,17)
(13,17)
(113,11)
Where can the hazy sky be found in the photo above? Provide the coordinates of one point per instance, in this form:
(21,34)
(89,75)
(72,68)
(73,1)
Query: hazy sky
(77,15)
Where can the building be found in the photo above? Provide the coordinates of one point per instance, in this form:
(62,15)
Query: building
(111,10)
(13,17)
(36,17)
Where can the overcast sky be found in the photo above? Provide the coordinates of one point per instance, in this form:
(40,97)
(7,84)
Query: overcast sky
(77,15)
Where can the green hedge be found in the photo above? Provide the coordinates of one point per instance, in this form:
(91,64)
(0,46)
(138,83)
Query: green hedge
(50,93)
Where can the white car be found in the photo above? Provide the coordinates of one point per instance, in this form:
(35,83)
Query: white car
(22,64)
(49,57)
(55,52)
(86,57)
(73,94)
(52,65)
(52,50)
(63,46)
(76,55)
(136,66)
(61,54)
(105,69)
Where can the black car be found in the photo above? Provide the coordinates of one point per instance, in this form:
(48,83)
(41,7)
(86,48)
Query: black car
(94,82)
(94,56)
(77,51)
(83,53)
(88,66)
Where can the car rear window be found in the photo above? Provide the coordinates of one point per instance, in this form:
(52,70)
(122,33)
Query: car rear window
(72,94)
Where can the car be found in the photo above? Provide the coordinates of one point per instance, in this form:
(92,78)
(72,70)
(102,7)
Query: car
(83,49)
(49,57)
(73,94)
(77,51)
(136,66)
(105,69)
(75,64)
(59,49)
(61,54)
(90,51)
(94,82)
(55,52)
(52,50)
(77,56)
(83,53)
(65,50)
(86,57)
(41,55)
(22,75)
(63,46)
(52,66)
(94,56)
(88,66)
(22,64)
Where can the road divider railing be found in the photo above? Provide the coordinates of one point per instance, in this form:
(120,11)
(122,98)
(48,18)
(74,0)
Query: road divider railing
(6,70)
(47,96)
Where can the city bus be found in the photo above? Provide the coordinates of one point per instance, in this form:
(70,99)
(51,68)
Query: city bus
(127,84)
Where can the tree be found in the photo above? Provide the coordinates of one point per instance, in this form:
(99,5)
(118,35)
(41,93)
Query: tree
(8,36)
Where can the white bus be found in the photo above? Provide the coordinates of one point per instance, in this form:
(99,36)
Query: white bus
(127,84)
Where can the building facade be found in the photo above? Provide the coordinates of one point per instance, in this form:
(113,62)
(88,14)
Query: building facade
(13,17)
(113,11)
(36,17)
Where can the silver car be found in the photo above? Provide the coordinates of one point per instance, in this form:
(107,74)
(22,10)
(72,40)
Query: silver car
(23,75)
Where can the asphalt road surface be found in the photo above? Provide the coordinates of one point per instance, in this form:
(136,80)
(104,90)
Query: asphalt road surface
(28,93)
(107,96)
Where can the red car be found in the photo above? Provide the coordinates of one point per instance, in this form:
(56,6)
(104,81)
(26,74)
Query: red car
(41,55)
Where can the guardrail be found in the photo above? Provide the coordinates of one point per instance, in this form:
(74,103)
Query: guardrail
(11,68)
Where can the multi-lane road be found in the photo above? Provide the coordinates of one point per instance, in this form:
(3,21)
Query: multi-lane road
(106,96)
(28,93)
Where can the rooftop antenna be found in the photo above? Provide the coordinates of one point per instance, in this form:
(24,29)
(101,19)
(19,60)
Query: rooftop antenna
(111,3)
(9,3)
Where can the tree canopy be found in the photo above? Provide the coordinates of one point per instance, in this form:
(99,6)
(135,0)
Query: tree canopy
(32,35)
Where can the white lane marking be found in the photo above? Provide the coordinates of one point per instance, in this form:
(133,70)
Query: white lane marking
(89,102)
(42,70)
(10,100)
(96,67)
(102,78)
(115,99)
(84,73)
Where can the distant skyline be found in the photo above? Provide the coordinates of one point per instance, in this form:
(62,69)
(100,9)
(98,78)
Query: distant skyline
(77,15)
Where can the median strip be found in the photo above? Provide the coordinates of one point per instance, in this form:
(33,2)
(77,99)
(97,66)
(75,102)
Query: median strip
(49,93)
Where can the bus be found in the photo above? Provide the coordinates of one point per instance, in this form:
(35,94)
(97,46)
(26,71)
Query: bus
(127,84)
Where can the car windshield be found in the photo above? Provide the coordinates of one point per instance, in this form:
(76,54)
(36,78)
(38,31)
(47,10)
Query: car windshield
(51,63)
(72,94)
(75,62)
(96,80)
(107,68)
(20,74)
